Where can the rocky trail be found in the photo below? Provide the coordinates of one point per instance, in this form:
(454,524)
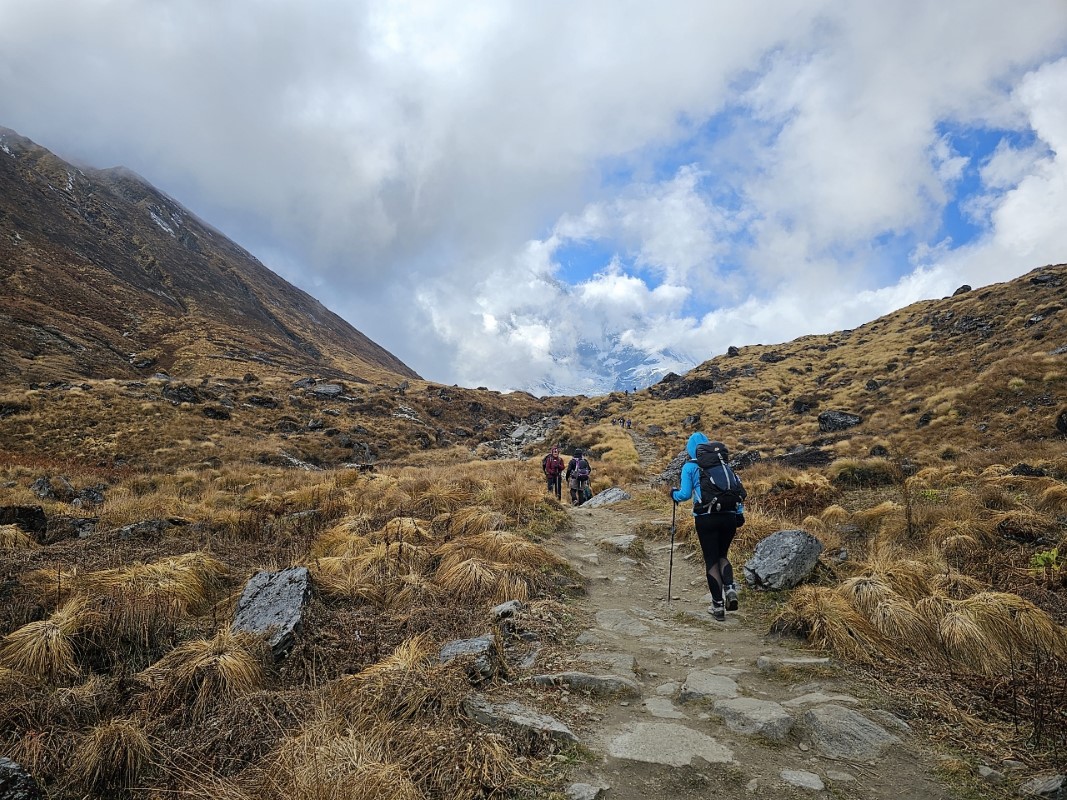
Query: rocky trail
(694,708)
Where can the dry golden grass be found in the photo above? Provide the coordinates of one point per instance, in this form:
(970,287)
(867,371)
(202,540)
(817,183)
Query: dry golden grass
(474,519)
(474,580)
(47,650)
(112,756)
(829,622)
(205,673)
(12,538)
(406,685)
(326,761)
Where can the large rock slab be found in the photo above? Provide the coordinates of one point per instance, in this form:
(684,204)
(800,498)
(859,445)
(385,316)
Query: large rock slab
(272,603)
(517,718)
(755,717)
(841,733)
(667,743)
(783,560)
(602,685)
(702,684)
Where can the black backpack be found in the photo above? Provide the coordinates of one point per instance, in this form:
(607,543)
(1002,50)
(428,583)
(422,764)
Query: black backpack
(720,488)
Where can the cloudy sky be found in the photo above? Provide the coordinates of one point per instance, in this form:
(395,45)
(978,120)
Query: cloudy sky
(479,185)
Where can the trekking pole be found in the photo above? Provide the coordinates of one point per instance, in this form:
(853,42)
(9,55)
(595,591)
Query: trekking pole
(670,568)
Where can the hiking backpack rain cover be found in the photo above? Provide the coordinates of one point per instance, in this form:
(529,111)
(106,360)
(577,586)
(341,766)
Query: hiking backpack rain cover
(720,488)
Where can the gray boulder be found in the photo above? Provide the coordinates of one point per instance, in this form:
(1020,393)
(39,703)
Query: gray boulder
(830,421)
(481,651)
(783,560)
(16,783)
(606,497)
(273,603)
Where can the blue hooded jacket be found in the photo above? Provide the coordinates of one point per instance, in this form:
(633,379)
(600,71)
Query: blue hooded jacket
(689,485)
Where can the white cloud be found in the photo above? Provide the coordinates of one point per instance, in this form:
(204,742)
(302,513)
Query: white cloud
(417,165)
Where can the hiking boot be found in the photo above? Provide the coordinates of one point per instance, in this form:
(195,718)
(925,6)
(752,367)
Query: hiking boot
(717,611)
(731,598)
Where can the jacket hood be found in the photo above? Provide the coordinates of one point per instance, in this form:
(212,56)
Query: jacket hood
(694,441)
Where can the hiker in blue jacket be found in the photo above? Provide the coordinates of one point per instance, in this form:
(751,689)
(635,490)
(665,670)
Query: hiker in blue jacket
(715,531)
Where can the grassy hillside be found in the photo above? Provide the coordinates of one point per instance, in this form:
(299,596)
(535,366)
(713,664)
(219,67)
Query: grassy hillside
(941,574)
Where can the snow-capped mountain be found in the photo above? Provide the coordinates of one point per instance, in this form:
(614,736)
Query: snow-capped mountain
(591,369)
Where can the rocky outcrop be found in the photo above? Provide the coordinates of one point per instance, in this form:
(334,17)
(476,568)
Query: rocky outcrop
(830,421)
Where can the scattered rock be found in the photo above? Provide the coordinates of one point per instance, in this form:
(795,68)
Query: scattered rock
(1049,786)
(755,717)
(990,775)
(606,498)
(327,389)
(273,603)
(841,733)
(962,290)
(623,543)
(481,652)
(705,685)
(783,560)
(181,393)
(30,519)
(802,779)
(53,489)
(830,421)
(1061,422)
(506,610)
(585,791)
(812,698)
(601,685)
(667,743)
(16,783)
(662,708)
(516,717)
(262,401)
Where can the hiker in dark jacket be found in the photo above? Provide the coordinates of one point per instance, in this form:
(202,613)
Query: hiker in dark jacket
(715,531)
(552,466)
(578,471)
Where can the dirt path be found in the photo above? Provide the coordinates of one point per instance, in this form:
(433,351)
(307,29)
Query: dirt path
(720,710)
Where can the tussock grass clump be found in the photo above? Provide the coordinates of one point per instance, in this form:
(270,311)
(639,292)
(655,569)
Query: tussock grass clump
(475,519)
(47,649)
(206,672)
(13,538)
(863,472)
(326,760)
(406,685)
(473,580)
(112,755)
(829,621)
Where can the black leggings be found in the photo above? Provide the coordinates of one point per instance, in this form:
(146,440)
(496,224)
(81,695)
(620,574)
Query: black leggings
(716,533)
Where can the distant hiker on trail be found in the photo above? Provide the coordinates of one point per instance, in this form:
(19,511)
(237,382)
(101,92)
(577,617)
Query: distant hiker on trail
(718,511)
(578,478)
(628,422)
(552,466)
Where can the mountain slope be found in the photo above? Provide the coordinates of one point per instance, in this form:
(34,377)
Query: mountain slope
(105,276)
